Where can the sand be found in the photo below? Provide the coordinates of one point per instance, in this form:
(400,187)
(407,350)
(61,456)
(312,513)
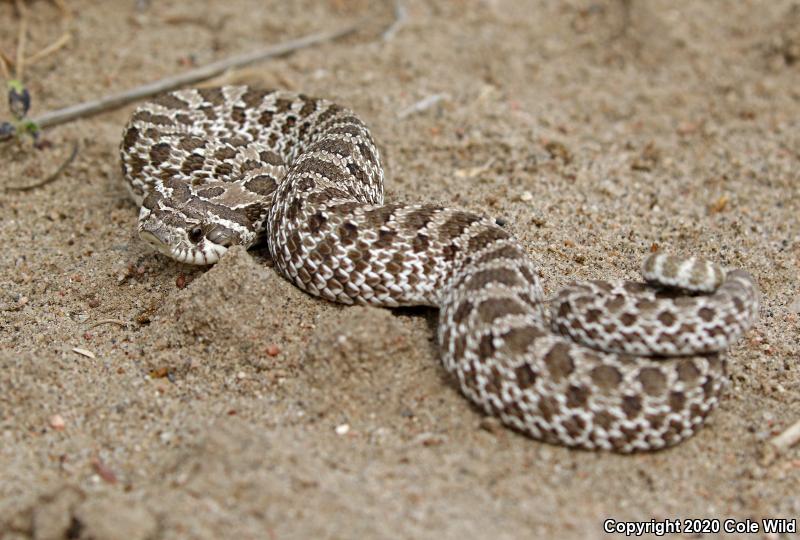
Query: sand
(143,399)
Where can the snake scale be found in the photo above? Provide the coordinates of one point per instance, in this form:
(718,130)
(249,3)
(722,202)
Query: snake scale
(620,366)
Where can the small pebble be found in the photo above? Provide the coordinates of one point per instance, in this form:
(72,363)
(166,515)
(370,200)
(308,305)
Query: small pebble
(273,350)
(526,196)
(342,429)
(57,422)
(241,375)
(159,372)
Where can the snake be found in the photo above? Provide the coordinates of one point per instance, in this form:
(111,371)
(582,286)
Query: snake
(623,366)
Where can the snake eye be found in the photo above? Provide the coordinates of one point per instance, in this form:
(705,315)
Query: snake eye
(196,234)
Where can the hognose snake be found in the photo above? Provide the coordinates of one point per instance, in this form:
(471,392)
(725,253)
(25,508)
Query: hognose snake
(616,365)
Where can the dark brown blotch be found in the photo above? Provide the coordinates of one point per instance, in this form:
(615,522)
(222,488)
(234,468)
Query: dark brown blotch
(633,287)
(225,153)
(316,221)
(677,400)
(212,95)
(706,313)
(577,396)
(558,361)
(170,101)
(420,243)
(223,171)
(503,276)
(210,193)
(526,376)
(266,118)
(130,138)
(239,115)
(344,130)
(653,381)
(268,156)
(366,152)
(575,425)
(548,407)
(282,105)
(604,419)
(486,237)
(193,162)
(150,118)
(358,173)
(263,184)
(159,153)
(386,238)
(251,165)
(606,377)
(486,346)
(631,406)
(209,112)
(494,308)
(348,232)
(688,371)
(517,341)
(255,212)
(667,319)
(462,312)
(254,97)
(324,168)
(309,106)
(457,223)
(339,147)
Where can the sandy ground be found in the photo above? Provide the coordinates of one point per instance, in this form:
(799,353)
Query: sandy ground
(231,405)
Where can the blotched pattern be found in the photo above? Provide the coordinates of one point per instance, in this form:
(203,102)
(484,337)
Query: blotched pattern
(235,165)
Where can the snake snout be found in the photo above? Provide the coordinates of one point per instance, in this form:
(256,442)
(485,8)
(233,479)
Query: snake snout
(154,233)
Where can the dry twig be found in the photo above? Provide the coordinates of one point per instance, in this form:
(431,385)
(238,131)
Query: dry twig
(50,49)
(4,66)
(19,66)
(118,322)
(400,18)
(781,443)
(193,76)
(422,105)
(50,178)
(788,438)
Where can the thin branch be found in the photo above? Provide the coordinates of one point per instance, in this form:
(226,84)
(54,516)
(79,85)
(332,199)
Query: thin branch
(52,177)
(400,18)
(90,108)
(50,49)
(23,30)
(4,66)
(422,105)
(118,322)
(779,444)
(788,438)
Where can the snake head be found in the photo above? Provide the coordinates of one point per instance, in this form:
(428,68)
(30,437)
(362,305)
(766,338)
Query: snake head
(195,228)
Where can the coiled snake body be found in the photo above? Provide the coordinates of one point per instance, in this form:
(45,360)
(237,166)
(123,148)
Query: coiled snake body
(622,366)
